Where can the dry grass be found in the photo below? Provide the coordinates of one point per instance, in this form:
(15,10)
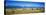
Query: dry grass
(22,11)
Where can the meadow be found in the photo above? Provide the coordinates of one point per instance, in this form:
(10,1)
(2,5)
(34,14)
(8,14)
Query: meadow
(23,10)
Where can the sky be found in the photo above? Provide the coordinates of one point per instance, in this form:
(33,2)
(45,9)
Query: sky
(24,4)
(28,0)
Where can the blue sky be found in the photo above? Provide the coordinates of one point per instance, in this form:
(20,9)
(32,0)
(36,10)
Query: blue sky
(24,4)
(28,0)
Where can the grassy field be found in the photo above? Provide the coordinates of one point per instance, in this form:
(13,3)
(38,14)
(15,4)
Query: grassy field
(23,11)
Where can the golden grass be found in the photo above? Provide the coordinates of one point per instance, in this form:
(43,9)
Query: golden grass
(22,11)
